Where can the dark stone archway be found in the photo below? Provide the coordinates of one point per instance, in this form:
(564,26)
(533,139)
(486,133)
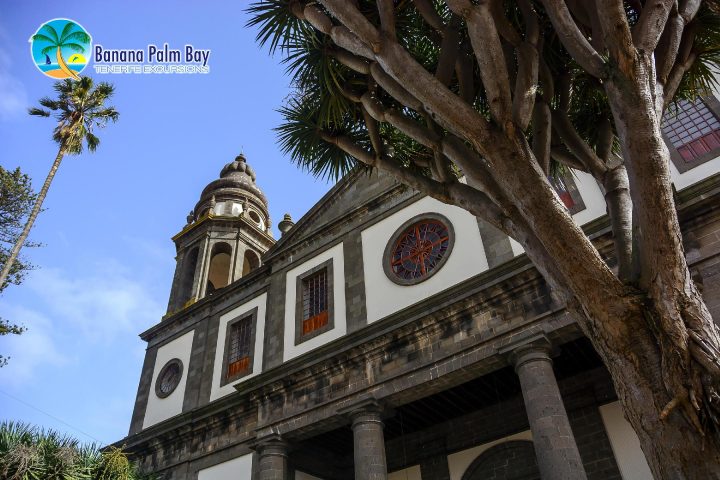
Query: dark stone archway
(514,460)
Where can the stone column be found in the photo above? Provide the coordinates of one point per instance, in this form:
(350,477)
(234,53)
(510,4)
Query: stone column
(272,459)
(557,453)
(369,443)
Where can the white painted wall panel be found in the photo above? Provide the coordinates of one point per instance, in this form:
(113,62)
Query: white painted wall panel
(625,444)
(460,461)
(466,259)
(411,473)
(290,350)
(159,409)
(236,469)
(259,302)
(694,175)
(592,196)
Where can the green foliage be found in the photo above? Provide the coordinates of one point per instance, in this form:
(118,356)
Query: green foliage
(65,39)
(16,200)
(29,453)
(320,105)
(79,108)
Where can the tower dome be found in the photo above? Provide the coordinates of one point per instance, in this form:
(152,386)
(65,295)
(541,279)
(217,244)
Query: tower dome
(234,194)
(226,235)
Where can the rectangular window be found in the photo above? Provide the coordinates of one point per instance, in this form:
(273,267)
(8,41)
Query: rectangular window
(568,192)
(314,302)
(239,347)
(239,355)
(692,132)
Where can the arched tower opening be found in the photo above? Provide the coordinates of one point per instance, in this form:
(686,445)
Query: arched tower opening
(230,218)
(188,276)
(219,272)
(250,262)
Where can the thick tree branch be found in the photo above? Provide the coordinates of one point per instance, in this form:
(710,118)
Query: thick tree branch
(573,39)
(542,134)
(579,147)
(386,9)
(616,34)
(646,33)
(489,54)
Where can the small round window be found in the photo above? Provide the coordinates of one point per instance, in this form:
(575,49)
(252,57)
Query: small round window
(169,378)
(254,216)
(418,249)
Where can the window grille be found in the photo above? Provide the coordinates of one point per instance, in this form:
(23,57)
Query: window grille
(239,347)
(692,128)
(315,301)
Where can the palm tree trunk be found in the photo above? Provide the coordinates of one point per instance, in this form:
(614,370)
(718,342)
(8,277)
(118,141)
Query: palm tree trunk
(31,219)
(64,66)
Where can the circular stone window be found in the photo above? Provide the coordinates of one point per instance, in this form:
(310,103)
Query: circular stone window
(169,378)
(418,249)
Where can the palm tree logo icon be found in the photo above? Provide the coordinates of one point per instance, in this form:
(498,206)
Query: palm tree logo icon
(59,48)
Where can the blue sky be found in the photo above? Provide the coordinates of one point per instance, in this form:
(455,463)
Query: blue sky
(105,269)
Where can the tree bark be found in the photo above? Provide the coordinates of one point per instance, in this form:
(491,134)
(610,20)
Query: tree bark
(669,397)
(31,219)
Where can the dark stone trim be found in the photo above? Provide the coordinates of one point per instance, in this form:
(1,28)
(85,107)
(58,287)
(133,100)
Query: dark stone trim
(175,362)
(387,255)
(469,473)
(143,392)
(252,314)
(328,266)
(355,299)
(680,163)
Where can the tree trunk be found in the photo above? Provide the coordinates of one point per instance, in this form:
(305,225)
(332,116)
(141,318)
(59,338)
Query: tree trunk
(675,449)
(31,219)
(668,379)
(64,66)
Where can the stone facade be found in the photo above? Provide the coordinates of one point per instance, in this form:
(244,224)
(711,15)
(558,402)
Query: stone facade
(488,377)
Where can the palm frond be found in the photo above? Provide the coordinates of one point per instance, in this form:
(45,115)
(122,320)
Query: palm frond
(276,23)
(79,36)
(52,33)
(39,37)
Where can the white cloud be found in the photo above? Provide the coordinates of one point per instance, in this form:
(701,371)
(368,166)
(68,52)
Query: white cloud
(30,350)
(67,312)
(105,301)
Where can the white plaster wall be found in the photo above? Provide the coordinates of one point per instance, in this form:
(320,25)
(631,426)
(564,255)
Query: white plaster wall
(159,409)
(239,468)
(466,259)
(411,473)
(460,461)
(592,197)
(625,444)
(259,302)
(291,350)
(694,175)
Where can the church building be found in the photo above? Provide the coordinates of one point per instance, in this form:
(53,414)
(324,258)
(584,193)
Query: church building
(386,335)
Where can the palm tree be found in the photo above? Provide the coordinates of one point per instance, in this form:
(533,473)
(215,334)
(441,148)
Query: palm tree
(67,38)
(79,108)
(29,453)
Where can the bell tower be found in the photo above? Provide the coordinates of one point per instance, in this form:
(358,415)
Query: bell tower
(227,233)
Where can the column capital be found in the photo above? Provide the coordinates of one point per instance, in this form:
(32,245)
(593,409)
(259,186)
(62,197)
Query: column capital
(366,411)
(528,349)
(271,445)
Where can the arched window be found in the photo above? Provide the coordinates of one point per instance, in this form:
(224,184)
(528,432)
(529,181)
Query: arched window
(219,273)
(188,276)
(513,460)
(250,262)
